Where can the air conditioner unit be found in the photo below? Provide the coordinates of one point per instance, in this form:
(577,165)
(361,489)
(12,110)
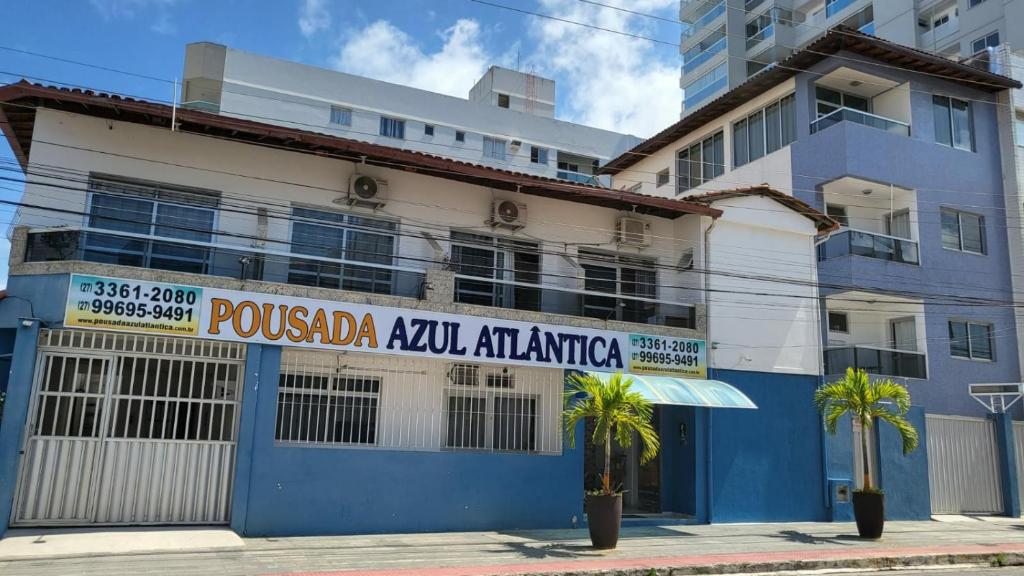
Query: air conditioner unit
(508,214)
(515,144)
(632,232)
(367,191)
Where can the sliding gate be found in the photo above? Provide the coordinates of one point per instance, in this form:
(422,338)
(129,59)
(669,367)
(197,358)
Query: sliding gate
(127,429)
(963,465)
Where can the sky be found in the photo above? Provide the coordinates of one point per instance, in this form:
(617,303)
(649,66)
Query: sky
(603,79)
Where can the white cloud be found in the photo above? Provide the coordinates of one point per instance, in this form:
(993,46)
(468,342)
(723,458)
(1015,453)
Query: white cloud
(313,17)
(127,9)
(609,80)
(384,52)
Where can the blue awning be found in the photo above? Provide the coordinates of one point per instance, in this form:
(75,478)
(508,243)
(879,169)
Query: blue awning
(686,391)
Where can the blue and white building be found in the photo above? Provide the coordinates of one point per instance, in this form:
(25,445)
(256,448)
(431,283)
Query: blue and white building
(906,151)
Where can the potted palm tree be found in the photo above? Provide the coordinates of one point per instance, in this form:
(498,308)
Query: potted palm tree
(866,401)
(617,413)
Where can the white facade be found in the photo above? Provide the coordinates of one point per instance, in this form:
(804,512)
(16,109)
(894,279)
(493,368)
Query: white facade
(507,122)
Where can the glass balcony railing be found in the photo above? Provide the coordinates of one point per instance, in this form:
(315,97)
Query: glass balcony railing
(694,60)
(704,93)
(764,34)
(837,6)
(857,243)
(859,117)
(876,361)
(572,302)
(703,19)
(578,177)
(240,263)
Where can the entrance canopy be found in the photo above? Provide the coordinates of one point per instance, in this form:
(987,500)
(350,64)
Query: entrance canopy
(685,391)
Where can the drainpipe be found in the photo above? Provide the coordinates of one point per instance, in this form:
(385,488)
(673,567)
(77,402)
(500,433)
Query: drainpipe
(709,490)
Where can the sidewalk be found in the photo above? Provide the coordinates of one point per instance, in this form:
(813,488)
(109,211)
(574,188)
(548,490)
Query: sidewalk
(721,548)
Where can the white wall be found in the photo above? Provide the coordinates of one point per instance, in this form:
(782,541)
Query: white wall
(757,324)
(775,169)
(868,320)
(275,179)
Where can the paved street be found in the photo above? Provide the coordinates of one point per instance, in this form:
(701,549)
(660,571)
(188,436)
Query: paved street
(746,547)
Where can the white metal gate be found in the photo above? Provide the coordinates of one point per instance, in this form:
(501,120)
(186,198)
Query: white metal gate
(963,465)
(130,429)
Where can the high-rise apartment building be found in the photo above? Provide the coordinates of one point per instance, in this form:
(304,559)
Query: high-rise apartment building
(725,42)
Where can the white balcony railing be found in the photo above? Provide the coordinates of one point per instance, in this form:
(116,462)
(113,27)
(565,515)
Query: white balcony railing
(860,117)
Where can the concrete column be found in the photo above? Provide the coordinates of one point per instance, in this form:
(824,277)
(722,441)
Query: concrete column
(19,243)
(12,426)
(1007,465)
(440,286)
(246,431)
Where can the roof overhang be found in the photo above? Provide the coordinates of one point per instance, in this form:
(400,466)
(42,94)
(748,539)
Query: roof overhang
(18,104)
(822,223)
(840,38)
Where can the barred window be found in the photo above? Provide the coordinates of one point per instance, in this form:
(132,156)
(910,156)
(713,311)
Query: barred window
(491,416)
(327,409)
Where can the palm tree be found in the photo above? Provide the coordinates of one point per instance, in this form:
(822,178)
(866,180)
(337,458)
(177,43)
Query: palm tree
(616,411)
(863,398)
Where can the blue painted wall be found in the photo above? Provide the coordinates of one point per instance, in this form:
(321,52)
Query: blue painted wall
(904,478)
(942,176)
(304,490)
(16,406)
(766,464)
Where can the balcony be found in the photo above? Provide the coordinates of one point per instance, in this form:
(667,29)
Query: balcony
(692,99)
(764,34)
(702,17)
(859,117)
(876,361)
(693,60)
(140,251)
(578,177)
(932,37)
(836,6)
(849,242)
(572,302)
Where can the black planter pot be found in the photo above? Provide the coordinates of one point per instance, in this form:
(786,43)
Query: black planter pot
(604,515)
(869,511)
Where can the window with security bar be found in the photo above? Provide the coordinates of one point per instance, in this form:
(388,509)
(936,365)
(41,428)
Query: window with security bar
(344,237)
(488,258)
(140,209)
(327,408)
(484,410)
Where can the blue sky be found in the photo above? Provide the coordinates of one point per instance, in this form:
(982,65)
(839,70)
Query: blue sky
(603,79)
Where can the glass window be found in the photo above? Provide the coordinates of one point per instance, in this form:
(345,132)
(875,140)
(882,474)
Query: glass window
(767,130)
(828,101)
(460,136)
(149,209)
(491,258)
(1018,127)
(963,231)
(538,155)
(837,213)
(773,128)
(494,148)
(327,409)
(740,146)
(341,236)
(838,322)
(755,128)
(618,274)
(341,116)
(503,101)
(970,340)
(428,129)
(392,127)
(953,125)
(662,177)
(990,40)
(700,162)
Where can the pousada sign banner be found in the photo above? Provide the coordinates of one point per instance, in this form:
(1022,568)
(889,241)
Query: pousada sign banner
(102,303)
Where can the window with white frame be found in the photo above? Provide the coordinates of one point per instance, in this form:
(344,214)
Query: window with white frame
(990,40)
(970,339)
(341,116)
(765,131)
(838,322)
(149,209)
(618,275)
(828,101)
(973,3)
(392,127)
(339,236)
(700,162)
(323,408)
(494,148)
(837,212)
(484,410)
(963,231)
(490,258)
(953,124)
